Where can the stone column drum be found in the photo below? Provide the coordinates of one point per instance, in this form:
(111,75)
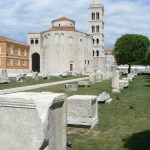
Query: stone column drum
(33,121)
(82,110)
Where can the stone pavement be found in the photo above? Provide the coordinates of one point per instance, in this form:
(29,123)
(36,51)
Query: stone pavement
(25,88)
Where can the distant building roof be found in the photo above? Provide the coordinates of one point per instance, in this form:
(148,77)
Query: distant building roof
(108,50)
(63,19)
(8,39)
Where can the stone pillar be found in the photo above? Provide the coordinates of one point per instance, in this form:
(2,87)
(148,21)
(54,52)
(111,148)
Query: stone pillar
(4,76)
(115,82)
(33,121)
(92,77)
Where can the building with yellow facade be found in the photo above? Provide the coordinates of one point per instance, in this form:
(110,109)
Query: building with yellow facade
(14,55)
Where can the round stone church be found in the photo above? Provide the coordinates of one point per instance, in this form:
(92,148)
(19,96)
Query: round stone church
(61,48)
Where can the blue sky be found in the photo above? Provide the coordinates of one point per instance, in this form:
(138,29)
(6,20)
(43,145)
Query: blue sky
(18,17)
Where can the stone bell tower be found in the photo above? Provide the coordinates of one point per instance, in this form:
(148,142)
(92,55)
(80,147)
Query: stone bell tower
(96,29)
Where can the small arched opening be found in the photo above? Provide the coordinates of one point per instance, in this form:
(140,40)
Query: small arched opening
(97,53)
(93,53)
(93,29)
(97,41)
(97,15)
(32,41)
(93,16)
(97,29)
(36,41)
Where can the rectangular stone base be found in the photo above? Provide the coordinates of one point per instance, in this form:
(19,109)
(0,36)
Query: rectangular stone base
(82,110)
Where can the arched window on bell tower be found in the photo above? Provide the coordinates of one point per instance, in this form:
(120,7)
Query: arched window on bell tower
(93,41)
(93,53)
(97,16)
(97,29)
(97,53)
(93,29)
(93,16)
(97,41)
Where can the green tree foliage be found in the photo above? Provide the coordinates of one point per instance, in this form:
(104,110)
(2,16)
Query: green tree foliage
(131,49)
(148,56)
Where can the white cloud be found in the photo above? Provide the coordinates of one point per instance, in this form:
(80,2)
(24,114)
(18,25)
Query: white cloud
(18,17)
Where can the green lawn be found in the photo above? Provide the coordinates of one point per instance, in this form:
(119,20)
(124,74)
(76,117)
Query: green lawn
(123,125)
(30,81)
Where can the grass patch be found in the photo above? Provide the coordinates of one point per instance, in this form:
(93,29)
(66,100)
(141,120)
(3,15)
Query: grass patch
(123,125)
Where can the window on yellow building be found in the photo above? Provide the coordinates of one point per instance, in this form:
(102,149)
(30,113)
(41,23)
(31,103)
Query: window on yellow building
(25,63)
(19,52)
(19,63)
(0,49)
(25,52)
(0,61)
(11,62)
(11,49)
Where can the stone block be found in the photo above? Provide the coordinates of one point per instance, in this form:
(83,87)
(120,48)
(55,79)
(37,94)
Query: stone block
(35,76)
(104,98)
(21,77)
(82,110)
(84,83)
(127,79)
(71,87)
(123,84)
(33,121)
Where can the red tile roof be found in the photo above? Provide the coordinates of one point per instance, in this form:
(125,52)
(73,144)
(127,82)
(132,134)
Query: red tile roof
(5,38)
(63,19)
(108,50)
(63,29)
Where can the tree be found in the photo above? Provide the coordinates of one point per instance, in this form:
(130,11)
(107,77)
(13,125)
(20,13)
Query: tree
(148,56)
(131,49)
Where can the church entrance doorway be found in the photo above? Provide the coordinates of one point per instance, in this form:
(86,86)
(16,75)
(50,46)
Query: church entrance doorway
(35,62)
(71,67)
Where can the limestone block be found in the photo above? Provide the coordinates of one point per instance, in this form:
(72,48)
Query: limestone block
(130,77)
(84,83)
(45,75)
(35,76)
(82,110)
(123,84)
(71,87)
(108,101)
(127,79)
(33,121)
(21,77)
(104,97)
